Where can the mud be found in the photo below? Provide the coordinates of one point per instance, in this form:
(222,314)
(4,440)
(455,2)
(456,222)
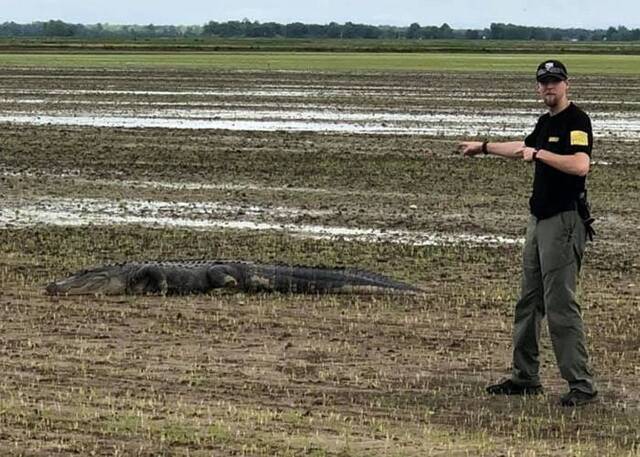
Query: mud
(277,375)
(259,110)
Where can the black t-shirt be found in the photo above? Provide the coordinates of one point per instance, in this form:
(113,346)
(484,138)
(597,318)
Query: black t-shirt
(565,133)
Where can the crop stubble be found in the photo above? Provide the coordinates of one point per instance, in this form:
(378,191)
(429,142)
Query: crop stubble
(233,373)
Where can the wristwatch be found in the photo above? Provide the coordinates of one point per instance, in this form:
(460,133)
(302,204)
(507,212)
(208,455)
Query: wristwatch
(534,155)
(484,147)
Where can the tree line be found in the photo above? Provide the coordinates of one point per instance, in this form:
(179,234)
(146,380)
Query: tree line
(256,29)
(57,28)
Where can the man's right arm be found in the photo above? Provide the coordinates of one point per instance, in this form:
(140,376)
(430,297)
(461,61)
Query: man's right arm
(508,149)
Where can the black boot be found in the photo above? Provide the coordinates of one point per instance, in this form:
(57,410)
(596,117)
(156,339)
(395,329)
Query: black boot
(508,387)
(576,397)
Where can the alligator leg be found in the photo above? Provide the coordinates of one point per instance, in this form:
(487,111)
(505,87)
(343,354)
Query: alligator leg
(149,278)
(221,276)
(259,283)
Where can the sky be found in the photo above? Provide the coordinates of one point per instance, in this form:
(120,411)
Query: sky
(459,14)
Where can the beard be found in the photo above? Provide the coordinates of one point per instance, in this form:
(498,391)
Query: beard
(551,100)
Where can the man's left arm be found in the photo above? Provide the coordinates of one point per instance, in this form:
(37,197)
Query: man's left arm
(576,159)
(573,164)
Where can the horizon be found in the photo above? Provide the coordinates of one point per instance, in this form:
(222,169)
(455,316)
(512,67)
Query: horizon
(144,24)
(458,14)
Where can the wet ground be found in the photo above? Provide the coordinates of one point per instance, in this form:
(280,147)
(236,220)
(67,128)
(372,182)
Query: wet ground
(332,169)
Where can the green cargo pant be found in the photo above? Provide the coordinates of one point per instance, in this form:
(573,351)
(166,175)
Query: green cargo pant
(551,263)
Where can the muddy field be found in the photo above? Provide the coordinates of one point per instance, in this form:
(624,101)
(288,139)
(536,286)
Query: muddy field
(333,169)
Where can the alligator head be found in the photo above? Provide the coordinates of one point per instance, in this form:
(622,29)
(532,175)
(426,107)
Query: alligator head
(105,280)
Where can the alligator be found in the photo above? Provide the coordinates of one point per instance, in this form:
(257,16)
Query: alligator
(203,276)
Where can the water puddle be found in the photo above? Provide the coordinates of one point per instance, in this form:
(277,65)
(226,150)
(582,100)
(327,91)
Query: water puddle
(97,208)
(254,112)
(620,125)
(310,91)
(439,127)
(208,216)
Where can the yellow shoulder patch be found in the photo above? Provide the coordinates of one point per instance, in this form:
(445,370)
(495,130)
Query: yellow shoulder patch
(579,138)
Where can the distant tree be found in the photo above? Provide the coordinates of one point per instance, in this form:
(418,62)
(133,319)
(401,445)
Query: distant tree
(497,31)
(369,32)
(316,31)
(470,34)
(349,30)
(445,31)
(389,32)
(334,30)
(210,28)
(266,30)
(583,35)
(149,30)
(58,29)
(413,32)
(430,32)
(539,34)
(296,30)
(623,33)
(9,29)
(556,36)
(274,29)
(192,30)
(231,29)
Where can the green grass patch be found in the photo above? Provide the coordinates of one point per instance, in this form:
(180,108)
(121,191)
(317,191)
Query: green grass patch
(207,44)
(327,61)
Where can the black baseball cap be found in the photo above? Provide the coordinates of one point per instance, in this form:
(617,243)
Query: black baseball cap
(551,69)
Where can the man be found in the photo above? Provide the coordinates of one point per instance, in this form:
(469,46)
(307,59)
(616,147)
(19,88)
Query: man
(560,145)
